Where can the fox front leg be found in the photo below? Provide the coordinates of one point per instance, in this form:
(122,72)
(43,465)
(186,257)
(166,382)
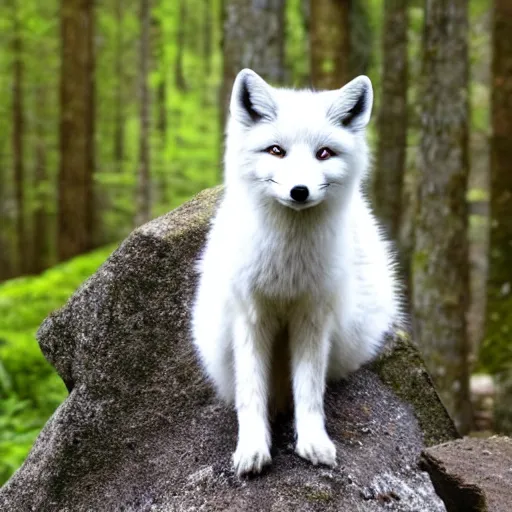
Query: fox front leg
(252,350)
(309,338)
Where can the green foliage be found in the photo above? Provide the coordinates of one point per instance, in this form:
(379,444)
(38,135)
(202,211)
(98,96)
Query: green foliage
(184,152)
(30,390)
(184,157)
(19,425)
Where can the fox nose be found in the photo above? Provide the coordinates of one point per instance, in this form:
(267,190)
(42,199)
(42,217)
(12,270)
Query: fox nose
(299,193)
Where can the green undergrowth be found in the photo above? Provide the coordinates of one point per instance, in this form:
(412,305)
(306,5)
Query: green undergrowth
(30,389)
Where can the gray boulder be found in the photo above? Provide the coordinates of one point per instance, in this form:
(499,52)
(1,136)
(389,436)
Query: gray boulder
(141,430)
(471,474)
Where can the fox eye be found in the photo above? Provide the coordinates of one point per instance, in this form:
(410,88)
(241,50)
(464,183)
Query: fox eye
(276,150)
(324,153)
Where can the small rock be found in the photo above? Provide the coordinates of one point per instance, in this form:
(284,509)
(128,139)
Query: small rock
(468,482)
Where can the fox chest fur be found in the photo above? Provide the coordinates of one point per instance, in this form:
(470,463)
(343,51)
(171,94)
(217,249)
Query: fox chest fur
(291,260)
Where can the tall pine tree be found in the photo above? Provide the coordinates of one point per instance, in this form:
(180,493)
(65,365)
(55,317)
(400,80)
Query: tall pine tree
(330,43)
(499,288)
(440,260)
(392,121)
(18,136)
(75,203)
(143,212)
(246,44)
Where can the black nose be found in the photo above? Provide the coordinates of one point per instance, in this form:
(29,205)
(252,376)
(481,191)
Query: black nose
(299,193)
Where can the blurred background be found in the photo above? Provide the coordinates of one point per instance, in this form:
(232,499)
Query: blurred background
(112,113)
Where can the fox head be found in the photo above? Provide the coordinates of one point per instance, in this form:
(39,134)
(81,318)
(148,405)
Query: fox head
(299,148)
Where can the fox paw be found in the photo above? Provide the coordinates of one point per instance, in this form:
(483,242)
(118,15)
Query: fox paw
(250,458)
(317,448)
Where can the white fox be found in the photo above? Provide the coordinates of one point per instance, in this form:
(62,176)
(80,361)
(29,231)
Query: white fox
(294,257)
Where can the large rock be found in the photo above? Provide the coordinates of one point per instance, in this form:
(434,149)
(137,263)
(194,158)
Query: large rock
(141,430)
(471,474)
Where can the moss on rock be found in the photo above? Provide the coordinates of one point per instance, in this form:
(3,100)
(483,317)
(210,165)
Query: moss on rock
(401,367)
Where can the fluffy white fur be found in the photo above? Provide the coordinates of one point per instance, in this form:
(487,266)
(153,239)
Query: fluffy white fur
(320,270)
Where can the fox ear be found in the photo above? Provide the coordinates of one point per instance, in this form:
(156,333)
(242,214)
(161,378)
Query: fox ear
(251,99)
(352,106)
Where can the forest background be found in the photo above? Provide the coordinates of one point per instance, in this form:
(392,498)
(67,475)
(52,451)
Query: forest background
(112,113)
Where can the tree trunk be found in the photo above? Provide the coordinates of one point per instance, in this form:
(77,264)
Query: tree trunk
(17,141)
(119,97)
(5,246)
(162,111)
(253,38)
(330,43)
(41,240)
(499,289)
(362,40)
(75,204)
(392,120)
(161,100)
(5,263)
(159,57)
(440,261)
(207,37)
(161,65)
(143,213)
(179,73)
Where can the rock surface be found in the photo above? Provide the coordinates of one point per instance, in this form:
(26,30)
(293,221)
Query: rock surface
(472,474)
(141,430)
